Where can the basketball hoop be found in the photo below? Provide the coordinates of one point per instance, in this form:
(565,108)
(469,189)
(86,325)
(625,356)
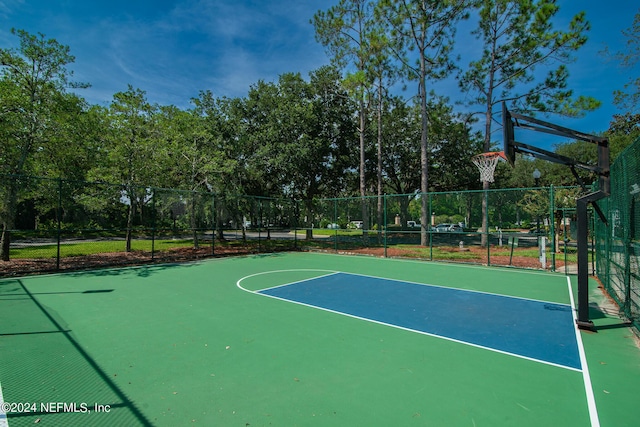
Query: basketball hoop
(486,163)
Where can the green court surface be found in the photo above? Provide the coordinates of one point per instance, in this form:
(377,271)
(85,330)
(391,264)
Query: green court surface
(194,344)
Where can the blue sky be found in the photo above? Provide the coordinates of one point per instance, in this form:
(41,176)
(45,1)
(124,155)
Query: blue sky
(174,49)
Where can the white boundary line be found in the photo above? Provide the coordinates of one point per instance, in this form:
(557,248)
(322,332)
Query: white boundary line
(449,264)
(3,415)
(588,388)
(379,322)
(329,273)
(299,281)
(458,289)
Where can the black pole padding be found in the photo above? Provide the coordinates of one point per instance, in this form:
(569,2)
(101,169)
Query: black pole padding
(583,320)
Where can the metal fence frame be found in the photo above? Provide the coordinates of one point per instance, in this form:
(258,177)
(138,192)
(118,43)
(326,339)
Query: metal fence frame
(618,242)
(171,224)
(215,224)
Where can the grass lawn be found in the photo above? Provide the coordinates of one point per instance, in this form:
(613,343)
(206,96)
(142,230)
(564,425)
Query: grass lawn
(339,232)
(145,245)
(95,247)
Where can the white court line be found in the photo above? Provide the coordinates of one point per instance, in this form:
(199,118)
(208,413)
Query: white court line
(3,415)
(588,388)
(448,264)
(458,289)
(299,281)
(329,273)
(366,319)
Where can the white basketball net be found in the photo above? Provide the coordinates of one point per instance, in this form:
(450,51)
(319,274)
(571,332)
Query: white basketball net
(486,163)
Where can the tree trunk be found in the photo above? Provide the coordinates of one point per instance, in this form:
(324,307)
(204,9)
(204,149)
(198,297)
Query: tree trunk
(484,239)
(363,183)
(469,207)
(194,222)
(219,209)
(309,222)
(9,220)
(220,231)
(424,158)
(380,201)
(6,241)
(130,216)
(404,209)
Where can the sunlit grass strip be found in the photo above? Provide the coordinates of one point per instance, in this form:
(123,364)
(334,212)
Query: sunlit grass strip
(339,232)
(95,247)
(437,253)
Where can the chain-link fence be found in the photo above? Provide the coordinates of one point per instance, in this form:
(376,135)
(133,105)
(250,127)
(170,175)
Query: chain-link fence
(618,242)
(55,224)
(530,228)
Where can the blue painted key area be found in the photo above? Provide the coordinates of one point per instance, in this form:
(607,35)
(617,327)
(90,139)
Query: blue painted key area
(534,329)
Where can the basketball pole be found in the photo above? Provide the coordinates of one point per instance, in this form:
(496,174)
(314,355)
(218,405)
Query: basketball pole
(583,320)
(511,147)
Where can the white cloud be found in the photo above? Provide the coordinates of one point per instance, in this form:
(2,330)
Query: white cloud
(8,6)
(194,45)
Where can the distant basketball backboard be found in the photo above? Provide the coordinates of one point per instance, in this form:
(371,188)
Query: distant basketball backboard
(508,136)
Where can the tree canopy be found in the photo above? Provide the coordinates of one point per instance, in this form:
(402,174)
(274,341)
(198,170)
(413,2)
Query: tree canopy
(305,137)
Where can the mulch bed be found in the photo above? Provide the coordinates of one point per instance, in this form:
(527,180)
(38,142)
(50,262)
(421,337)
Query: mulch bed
(476,256)
(33,266)
(20,267)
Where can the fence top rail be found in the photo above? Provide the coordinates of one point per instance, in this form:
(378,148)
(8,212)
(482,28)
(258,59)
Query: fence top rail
(270,198)
(435,193)
(626,152)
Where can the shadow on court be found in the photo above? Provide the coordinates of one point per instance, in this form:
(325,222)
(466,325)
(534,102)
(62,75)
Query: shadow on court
(139,271)
(175,346)
(43,364)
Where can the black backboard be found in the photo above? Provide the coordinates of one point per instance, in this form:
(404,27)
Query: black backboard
(508,136)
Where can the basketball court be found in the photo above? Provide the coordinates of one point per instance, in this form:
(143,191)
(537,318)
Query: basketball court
(312,339)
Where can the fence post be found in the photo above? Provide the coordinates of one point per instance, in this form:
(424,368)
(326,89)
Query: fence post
(153,223)
(213,224)
(429,216)
(260,224)
(486,203)
(592,251)
(384,225)
(583,320)
(629,231)
(552,218)
(296,214)
(335,221)
(59,213)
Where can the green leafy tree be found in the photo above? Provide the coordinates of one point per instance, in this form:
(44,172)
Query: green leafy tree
(78,135)
(298,136)
(333,128)
(345,29)
(187,157)
(452,143)
(33,80)
(401,162)
(623,130)
(130,152)
(383,73)
(72,150)
(224,169)
(519,44)
(629,98)
(426,29)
